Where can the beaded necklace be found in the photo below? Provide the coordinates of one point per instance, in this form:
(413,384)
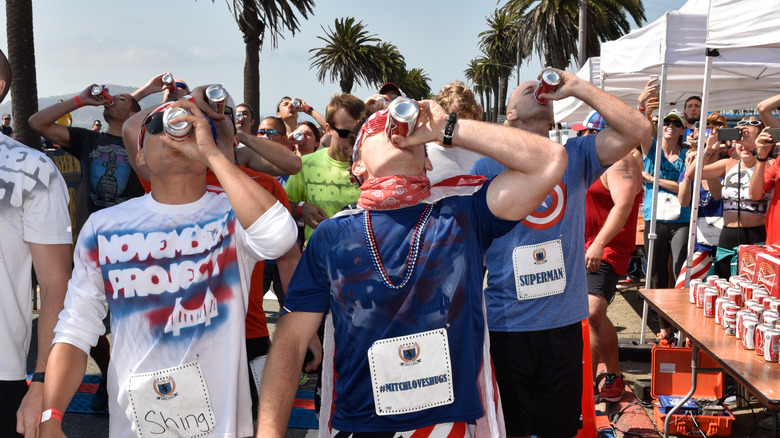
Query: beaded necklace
(414,249)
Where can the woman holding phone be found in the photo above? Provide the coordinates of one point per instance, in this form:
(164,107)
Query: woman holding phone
(743,218)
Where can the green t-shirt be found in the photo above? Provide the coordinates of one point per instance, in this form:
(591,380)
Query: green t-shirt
(324,182)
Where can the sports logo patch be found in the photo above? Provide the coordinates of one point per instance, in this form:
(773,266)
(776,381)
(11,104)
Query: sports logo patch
(409,353)
(165,387)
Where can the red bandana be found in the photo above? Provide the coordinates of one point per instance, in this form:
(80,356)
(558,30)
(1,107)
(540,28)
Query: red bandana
(396,191)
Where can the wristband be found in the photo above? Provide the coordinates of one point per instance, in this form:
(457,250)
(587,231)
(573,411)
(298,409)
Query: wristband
(706,154)
(37,377)
(299,210)
(48,414)
(762,160)
(78,101)
(641,109)
(449,128)
(308,109)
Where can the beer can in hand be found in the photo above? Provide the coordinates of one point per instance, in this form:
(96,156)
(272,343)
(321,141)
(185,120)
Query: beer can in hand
(217,97)
(549,83)
(101,92)
(179,130)
(167,78)
(298,136)
(401,117)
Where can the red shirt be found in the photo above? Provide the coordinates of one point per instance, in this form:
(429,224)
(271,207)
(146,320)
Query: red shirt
(256,325)
(598,203)
(771,175)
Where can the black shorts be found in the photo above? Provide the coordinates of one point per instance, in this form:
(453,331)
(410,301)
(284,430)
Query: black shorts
(11,394)
(539,378)
(603,282)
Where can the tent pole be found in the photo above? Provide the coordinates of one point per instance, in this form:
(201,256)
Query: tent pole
(651,235)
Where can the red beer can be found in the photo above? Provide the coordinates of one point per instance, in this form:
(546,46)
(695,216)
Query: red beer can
(770,317)
(773,305)
(758,338)
(760,296)
(772,345)
(749,334)
(742,316)
(757,310)
(401,117)
(712,279)
(549,83)
(709,304)
(692,290)
(747,289)
(167,78)
(101,92)
(730,318)
(700,296)
(734,295)
(734,280)
(719,302)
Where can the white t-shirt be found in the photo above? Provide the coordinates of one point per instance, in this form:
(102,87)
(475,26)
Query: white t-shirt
(33,209)
(176,278)
(449,162)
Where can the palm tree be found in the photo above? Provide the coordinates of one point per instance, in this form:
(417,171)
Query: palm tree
(549,27)
(349,55)
(499,43)
(21,56)
(476,74)
(391,63)
(256,19)
(414,82)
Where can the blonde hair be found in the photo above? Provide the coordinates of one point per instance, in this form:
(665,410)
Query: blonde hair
(457,94)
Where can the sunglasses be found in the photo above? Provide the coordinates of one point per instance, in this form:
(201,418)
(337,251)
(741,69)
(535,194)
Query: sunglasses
(749,122)
(262,132)
(675,123)
(182,85)
(343,133)
(153,124)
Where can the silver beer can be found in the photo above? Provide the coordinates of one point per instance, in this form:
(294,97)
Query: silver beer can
(217,97)
(298,136)
(167,78)
(179,130)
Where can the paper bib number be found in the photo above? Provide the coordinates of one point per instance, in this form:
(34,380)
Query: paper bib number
(539,270)
(411,373)
(171,403)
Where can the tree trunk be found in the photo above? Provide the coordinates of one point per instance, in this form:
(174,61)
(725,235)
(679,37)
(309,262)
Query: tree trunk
(21,56)
(252,35)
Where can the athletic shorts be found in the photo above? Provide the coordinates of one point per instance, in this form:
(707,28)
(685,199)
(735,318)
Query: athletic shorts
(539,378)
(603,282)
(11,394)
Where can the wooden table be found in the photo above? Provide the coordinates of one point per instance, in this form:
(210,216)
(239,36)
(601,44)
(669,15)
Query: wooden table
(759,377)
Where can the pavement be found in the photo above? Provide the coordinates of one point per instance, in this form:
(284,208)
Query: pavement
(631,417)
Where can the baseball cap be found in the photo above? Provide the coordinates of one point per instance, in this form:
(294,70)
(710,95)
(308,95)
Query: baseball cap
(389,86)
(674,114)
(593,121)
(6,116)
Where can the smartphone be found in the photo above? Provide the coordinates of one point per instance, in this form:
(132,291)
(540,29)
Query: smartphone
(775,133)
(726,134)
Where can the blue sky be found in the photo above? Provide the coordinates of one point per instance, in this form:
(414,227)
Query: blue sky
(78,42)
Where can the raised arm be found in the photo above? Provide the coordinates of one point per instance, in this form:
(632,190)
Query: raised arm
(623,180)
(627,126)
(44,122)
(647,101)
(267,156)
(764,144)
(765,108)
(534,163)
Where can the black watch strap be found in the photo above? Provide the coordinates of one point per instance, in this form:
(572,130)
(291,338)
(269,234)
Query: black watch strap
(38,377)
(449,129)
(763,160)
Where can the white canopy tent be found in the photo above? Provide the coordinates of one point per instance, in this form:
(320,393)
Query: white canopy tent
(674,47)
(740,78)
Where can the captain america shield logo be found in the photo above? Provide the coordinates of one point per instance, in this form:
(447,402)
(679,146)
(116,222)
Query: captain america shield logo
(550,212)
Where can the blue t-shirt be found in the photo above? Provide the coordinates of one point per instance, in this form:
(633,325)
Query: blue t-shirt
(444,291)
(529,257)
(708,207)
(669,170)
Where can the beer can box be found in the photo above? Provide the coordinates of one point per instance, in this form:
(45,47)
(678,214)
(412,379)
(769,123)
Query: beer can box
(748,258)
(766,269)
(671,376)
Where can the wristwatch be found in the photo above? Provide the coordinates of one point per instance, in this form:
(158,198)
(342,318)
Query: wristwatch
(38,377)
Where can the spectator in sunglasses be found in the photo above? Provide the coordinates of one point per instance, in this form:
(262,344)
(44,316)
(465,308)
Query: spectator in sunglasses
(744,219)
(171,92)
(322,187)
(671,219)
(262,152)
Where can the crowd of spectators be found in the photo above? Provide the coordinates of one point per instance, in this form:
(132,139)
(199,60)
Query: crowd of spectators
(403,265)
